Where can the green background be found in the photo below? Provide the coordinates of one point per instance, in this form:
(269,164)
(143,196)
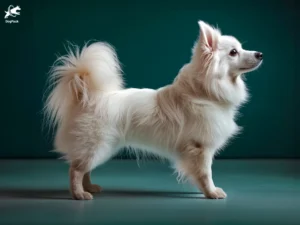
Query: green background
(153,40)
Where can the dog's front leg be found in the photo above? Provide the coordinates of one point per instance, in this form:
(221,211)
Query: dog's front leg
(197,162)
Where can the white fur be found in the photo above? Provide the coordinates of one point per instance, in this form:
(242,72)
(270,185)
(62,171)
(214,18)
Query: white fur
(186,122)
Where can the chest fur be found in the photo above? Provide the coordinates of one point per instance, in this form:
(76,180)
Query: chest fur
(215,126)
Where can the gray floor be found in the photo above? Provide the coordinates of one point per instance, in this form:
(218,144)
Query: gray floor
(259,192)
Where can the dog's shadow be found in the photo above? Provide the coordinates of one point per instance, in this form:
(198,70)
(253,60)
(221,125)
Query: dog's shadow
(65,195)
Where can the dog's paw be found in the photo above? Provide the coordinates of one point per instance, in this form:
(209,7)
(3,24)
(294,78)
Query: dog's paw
(82,196)
(93,188)
(218,193)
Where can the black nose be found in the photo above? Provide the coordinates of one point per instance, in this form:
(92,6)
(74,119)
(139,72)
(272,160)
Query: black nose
(258,55)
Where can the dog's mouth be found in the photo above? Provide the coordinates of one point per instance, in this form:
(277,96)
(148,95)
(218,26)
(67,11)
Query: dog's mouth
(244,69)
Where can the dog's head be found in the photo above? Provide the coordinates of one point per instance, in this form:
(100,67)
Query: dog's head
(16,10)
(217,63)
(223,55)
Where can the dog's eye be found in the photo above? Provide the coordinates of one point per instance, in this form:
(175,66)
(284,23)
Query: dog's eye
(233,52)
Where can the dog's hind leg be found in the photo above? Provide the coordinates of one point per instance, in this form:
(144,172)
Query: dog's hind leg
(88,186)
(80,182)
(77,171)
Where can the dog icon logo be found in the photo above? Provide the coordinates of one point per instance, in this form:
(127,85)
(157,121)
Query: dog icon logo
(12,11)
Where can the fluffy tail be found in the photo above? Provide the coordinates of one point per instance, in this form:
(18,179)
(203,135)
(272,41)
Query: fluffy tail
(79,76)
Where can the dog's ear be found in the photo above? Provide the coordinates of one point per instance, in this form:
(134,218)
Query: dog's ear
(209,36)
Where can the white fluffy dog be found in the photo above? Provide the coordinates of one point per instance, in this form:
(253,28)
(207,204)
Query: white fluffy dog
(186,122)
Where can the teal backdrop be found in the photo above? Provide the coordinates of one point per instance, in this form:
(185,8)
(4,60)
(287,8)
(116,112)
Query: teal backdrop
(153,40)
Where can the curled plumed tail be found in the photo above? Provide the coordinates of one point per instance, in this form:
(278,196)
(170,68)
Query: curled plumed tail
(79,76)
